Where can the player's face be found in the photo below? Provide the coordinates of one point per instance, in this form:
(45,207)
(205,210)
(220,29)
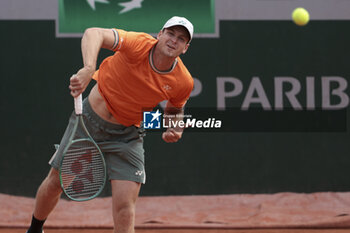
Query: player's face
(173,41)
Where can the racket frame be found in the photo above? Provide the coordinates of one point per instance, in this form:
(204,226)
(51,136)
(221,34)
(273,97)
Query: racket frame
(79,121)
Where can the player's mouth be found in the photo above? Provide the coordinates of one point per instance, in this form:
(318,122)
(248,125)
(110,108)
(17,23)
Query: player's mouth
(171,47)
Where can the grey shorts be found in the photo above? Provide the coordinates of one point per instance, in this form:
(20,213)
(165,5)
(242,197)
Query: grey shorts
(122,146)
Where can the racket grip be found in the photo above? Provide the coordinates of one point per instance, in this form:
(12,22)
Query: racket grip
(78,104)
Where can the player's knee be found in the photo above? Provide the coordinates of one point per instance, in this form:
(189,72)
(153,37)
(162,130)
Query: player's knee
(125,213)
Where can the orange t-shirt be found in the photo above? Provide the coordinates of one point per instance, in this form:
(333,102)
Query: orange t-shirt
(130,84)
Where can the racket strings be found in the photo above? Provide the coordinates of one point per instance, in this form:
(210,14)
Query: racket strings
(83,170)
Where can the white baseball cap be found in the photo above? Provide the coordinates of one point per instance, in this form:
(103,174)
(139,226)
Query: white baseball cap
(181,21)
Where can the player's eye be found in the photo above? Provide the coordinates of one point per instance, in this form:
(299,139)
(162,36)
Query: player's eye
(182,39)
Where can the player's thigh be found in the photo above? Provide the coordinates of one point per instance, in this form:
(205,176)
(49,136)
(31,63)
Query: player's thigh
(124,193)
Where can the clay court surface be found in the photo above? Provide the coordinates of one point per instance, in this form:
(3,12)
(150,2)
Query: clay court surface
(241,213)
(189,230)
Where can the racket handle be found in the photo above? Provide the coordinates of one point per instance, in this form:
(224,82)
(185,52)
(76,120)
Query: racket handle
(78,104)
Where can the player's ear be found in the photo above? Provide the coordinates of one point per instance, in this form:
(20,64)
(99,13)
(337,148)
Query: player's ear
(160,33)
(185,49)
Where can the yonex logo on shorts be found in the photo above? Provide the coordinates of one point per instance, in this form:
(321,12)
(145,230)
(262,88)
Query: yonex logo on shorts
(138,173)
(151,120)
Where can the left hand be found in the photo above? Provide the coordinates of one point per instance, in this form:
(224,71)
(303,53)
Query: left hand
(172,135)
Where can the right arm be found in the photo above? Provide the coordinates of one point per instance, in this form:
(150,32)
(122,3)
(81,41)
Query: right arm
(93,40)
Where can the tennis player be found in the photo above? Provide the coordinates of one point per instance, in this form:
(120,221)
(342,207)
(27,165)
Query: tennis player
(142,72)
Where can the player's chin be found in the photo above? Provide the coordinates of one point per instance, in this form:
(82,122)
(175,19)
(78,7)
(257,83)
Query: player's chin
(177,54)
(173,53)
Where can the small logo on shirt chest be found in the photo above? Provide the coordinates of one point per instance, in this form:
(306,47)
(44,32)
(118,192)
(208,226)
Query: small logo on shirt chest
(166,87)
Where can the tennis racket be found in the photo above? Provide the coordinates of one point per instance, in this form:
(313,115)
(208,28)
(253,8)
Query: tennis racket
(82,170)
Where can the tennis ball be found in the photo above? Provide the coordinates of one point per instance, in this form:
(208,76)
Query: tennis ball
(300,16)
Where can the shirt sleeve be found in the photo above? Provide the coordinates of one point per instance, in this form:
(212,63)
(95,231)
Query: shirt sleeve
(131,44)
(119,36)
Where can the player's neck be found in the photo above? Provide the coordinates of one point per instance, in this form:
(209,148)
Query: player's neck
(161,61)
